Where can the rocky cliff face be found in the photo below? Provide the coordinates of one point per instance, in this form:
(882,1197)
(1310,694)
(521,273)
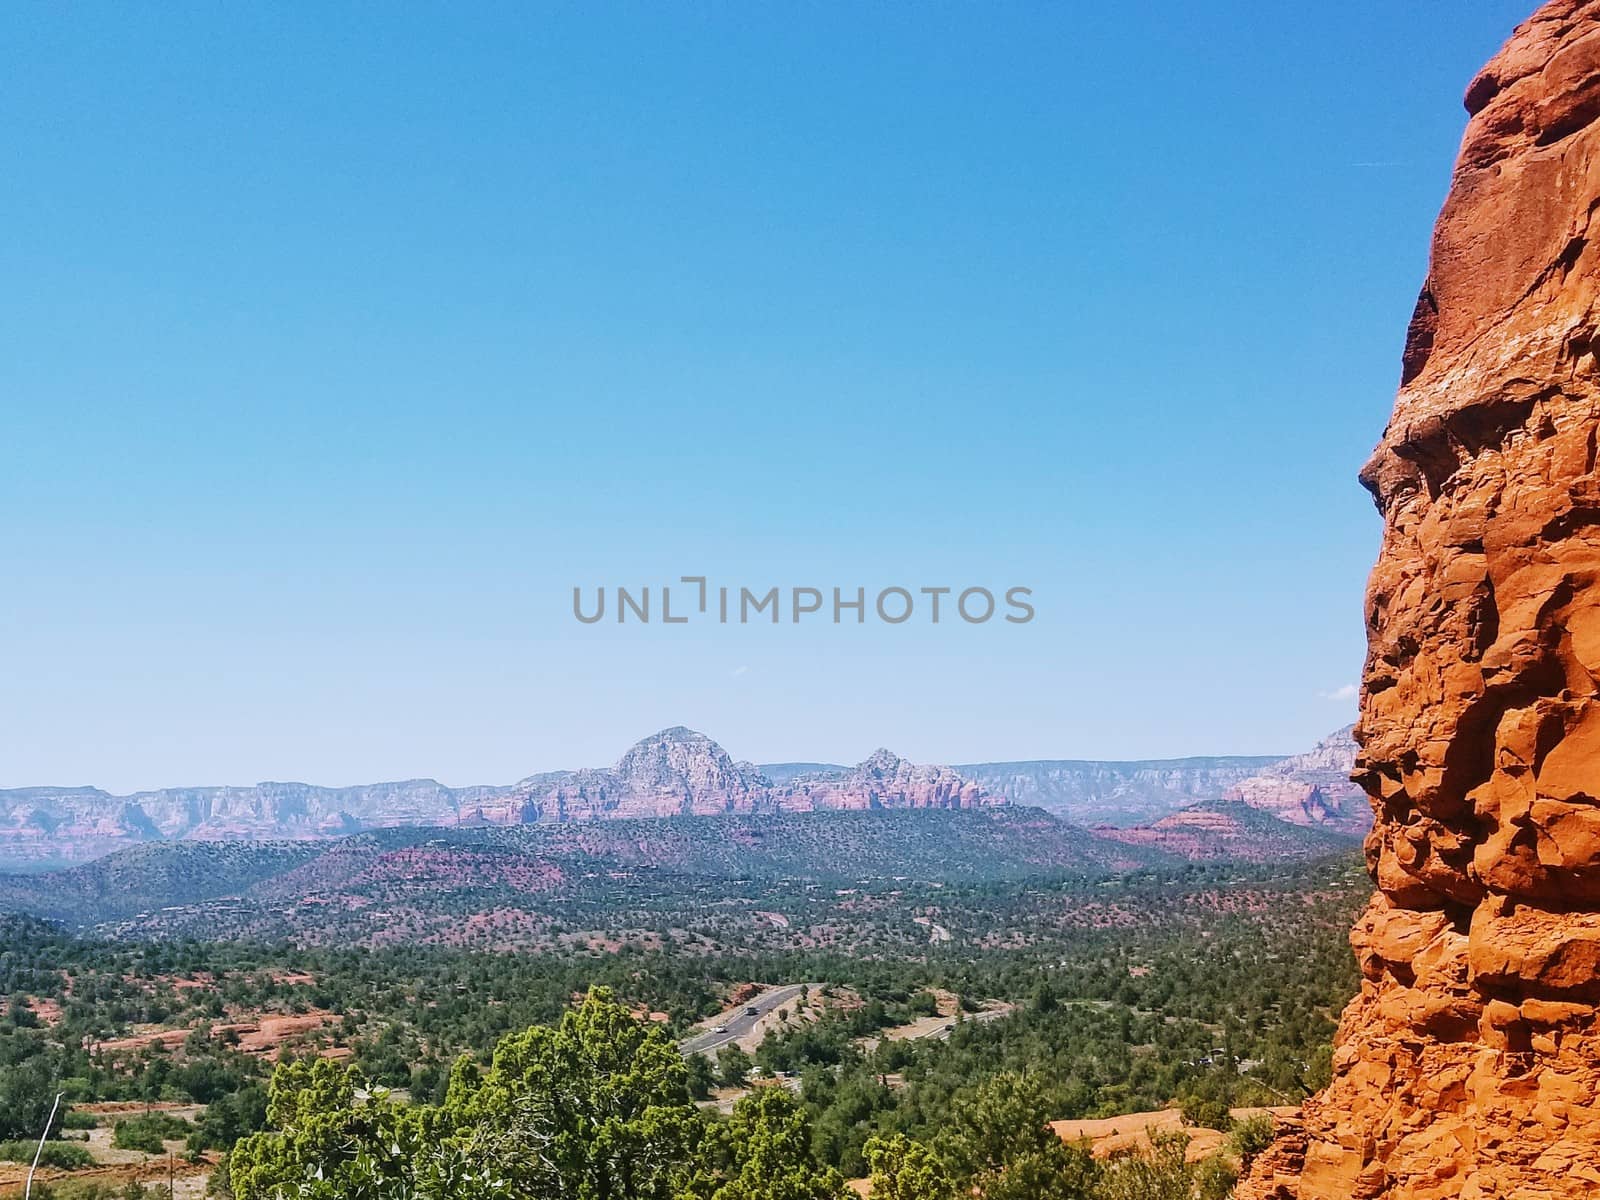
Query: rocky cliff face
(1468,1066)
(48,823)
(676,772)
(1313,788)
(681,772)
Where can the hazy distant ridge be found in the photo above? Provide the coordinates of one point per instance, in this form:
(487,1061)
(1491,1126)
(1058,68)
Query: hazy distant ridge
(1117,793)
(678,772)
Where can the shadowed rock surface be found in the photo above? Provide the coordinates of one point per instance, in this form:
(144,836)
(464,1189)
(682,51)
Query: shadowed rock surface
(1468,1065)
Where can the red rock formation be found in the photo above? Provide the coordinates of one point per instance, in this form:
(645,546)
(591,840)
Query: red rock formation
(1224,829)
(1313,788)
(677,772)
(1468,1065)
(681,772)
(884,781)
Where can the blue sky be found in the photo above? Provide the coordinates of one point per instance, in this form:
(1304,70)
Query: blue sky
(340,343)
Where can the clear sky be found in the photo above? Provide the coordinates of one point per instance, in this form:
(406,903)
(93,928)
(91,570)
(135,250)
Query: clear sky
(339,342)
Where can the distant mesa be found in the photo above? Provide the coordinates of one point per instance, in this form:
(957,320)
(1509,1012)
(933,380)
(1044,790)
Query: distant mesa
(1313,788)
(1226,829)
(885,781)
(1294,807)
(675,773)
(679,772)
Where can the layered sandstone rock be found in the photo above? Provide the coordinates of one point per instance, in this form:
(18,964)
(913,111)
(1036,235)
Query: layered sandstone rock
(679,772)
(1225,829)
(1103,792)
(75,823)
(1468,1066)
(1313,788)
(884,781)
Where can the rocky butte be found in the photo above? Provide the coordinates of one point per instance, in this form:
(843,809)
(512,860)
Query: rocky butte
(1313,788)
(677,772)
(1468,1064)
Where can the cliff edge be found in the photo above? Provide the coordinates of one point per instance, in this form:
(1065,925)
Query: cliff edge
(1468,1065)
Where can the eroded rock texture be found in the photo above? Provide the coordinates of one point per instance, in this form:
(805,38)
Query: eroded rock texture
(1468,1065)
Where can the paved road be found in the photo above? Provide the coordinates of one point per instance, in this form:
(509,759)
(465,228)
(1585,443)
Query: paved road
(736,1022)
(943,1033)
(940,1028)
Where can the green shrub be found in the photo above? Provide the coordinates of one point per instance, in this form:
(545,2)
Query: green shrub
(65,1155)
(1207,1113)
(1160,1173)
(1251,1136)
(148,1132)
(128,1135)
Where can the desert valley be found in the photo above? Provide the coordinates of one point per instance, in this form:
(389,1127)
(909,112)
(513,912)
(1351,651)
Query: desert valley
(854,948)
(1368,969)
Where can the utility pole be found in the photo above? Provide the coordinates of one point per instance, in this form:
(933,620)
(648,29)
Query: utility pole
(27,1192)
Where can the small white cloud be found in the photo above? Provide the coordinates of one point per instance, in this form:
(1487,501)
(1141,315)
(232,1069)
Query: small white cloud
(1348,692)
(738,671)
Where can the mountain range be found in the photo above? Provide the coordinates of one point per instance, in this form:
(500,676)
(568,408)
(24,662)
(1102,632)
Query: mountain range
(680,772)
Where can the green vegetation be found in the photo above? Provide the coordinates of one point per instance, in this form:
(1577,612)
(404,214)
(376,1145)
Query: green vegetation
(67,1155)
(149,1132)
(596,1106)
(92,1189)
(30,1065)
(1061,996)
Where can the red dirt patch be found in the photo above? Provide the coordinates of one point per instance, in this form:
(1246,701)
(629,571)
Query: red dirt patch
(1119,1135)
(263,1037)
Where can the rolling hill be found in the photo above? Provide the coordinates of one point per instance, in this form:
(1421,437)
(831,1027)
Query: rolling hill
(285,889)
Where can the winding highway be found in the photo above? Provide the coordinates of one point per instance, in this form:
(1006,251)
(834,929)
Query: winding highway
(734,1023)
